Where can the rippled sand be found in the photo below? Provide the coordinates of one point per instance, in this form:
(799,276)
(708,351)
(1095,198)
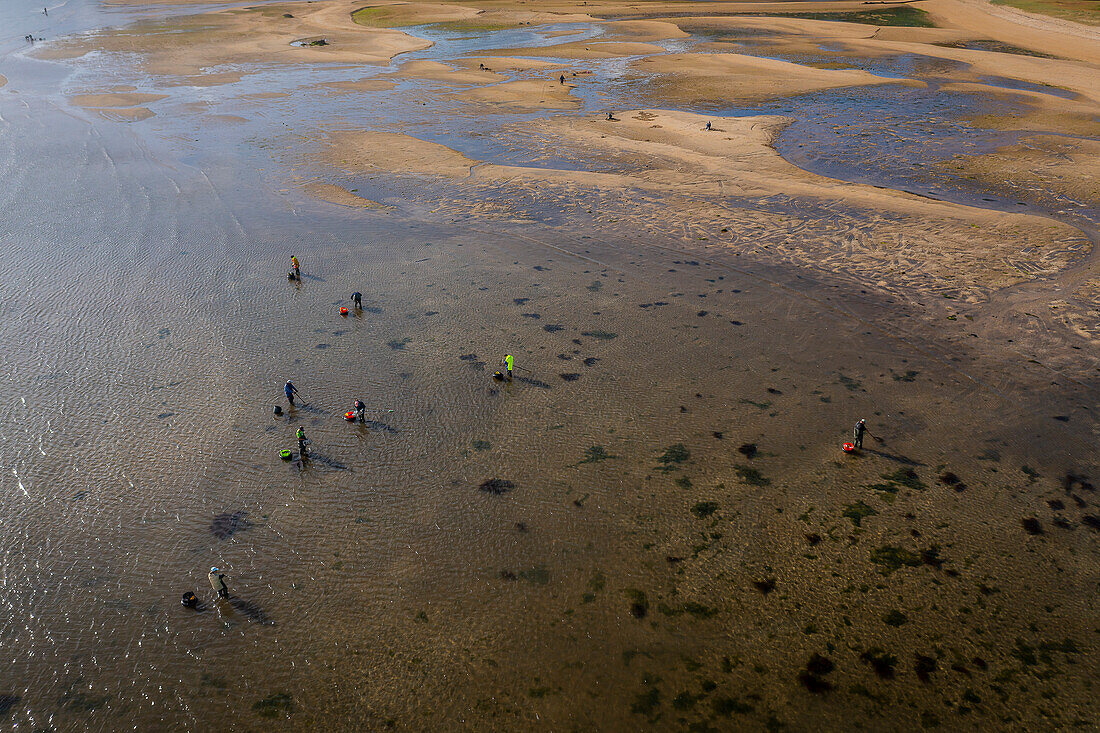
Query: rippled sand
(653,525)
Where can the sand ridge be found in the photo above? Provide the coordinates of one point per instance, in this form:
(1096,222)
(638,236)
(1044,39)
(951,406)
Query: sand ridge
(546,93)
(116,99)
(190,46)
(669,156)
(691,78)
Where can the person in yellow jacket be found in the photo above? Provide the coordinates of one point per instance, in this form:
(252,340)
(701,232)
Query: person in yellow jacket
(506,362)
(297,267)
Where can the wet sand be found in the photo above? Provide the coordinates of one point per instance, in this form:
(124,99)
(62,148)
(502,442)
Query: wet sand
(653,525)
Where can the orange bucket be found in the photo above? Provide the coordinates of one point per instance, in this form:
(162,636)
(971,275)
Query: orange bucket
(343,310)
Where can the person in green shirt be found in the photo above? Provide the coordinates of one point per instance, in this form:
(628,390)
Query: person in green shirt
(303,453)
(506,362)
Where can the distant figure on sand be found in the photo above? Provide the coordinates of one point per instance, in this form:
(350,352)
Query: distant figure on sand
(297,267)
(290,391)
(561,79)
(506,362)
(857,433)
(707,128)
(217,582)
(610,116)
(357,299)
(303,453)
(360,410)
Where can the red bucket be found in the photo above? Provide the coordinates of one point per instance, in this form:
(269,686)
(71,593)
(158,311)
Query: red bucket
(349,416)
(849,447)
(343,310)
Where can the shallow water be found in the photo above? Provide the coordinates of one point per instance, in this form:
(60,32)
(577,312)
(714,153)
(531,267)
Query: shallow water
(148,326)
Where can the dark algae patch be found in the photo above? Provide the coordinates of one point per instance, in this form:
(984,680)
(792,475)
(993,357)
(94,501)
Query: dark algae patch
(765,586)
(881,661)
(856,512)
(274,706)
(906,477)
(903,16)
(594,454)
(646,703)
(704,509)
(639,604)
(891,557)
(813,676)
(7,702)
(895,618)
(673,456)
(599,335)
(496,486)
(751,476)
(924,666)
(748,450)
(538,575)
(227,524)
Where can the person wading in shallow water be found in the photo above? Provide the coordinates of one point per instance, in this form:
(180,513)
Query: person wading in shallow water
(217,582)
(290,390)
(297,267)
(857,433)
(506,362)
(360,410)
(357,299)
(303,453)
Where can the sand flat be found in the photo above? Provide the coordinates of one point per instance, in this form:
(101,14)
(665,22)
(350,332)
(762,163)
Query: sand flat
(370,84)
(127,114)
(703,320)
(115,99)
(1040,33)
(339,195)
(188,45)
(507,63)
(358,151)
(695,77)
(434,70)
(585,50)
(546,93)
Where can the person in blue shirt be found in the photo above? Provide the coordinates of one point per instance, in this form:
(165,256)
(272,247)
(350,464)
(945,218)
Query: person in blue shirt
(290,390)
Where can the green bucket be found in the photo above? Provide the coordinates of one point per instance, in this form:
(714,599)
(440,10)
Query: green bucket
(285,454)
